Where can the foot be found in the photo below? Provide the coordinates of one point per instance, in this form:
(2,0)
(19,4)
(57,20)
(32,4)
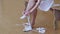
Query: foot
(23,17)
(27,27)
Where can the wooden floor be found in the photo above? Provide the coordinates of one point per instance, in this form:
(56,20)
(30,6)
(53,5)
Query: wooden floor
(58,31)
(10,12)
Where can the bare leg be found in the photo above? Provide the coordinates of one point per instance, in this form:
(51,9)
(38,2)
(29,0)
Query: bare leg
(34,14)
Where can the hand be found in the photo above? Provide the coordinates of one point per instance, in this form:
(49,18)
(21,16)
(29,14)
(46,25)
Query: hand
(25,13)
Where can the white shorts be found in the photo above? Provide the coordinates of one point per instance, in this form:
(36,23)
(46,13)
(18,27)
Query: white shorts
(45,5)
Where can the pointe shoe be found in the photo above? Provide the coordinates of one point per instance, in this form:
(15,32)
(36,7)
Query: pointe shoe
(27,27)
(23,17)
(41,30)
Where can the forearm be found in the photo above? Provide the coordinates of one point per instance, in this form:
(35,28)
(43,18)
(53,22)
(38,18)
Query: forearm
(30,5)
(35,6)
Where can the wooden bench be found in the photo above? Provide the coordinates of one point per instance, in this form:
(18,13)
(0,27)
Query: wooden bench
(56,12)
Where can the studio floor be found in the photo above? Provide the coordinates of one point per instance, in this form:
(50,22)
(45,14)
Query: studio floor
(11,11)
